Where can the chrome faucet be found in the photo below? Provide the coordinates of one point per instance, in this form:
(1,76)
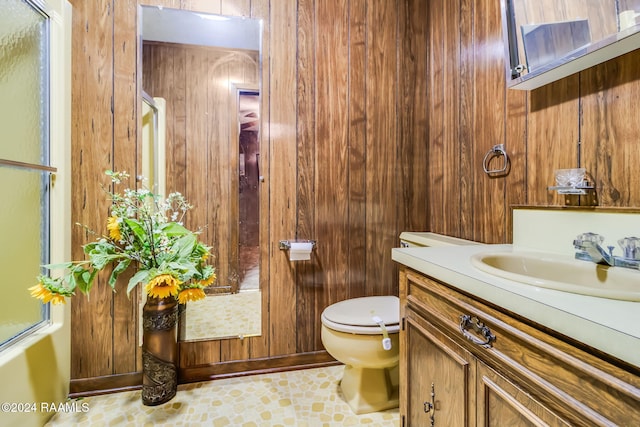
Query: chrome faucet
(590,249)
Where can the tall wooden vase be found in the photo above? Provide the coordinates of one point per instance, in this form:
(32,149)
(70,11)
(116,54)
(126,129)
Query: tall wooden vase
(159,350)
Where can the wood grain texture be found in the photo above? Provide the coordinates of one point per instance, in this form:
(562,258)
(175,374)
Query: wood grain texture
(198,83)
(551,144)
(436,98)
(553,127)
(125,307)
(381,162)
(549,368)
(331,176)
(305,273)
(489,115)
(92,139)
(282,175)
(466,131)
(375,120)
(610,127)
(357,129)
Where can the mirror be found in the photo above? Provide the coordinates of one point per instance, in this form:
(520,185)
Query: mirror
(547,40)
(206,70)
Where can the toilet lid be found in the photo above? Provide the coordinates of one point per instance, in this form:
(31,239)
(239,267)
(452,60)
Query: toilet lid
(360,311)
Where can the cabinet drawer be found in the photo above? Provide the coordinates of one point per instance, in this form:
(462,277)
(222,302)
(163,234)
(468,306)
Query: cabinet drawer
(572,382)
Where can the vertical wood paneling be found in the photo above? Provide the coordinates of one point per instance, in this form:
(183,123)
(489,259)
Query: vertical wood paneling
(216,177)
(515,144)
(375,119)
(125,307)
(205,80)
(489,113)
(282,179)
(207,6)
(92,139)
(198,84)
(331,152)
(552,142)
(610,129)
(236,7)
(466,133)
(306,289)
(540,129)
(197,141)
(358,115)
(382,104)
(174,4)
(436,105)
(451,114)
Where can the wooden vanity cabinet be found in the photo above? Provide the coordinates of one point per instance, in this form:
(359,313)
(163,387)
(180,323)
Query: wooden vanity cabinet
(522,376)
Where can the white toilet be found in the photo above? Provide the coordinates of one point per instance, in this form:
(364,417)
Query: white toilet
(353,332)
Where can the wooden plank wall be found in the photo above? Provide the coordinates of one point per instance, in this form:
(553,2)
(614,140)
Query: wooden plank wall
(540,129)
(104,99)
(195,81)
(376,118)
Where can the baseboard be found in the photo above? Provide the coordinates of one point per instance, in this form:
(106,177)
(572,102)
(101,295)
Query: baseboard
(255,366)
(94,386)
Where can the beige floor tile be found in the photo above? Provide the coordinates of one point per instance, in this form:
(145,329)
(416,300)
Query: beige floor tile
(302,398)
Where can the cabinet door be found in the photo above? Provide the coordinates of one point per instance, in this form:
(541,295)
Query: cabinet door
(440,379)
(502,403)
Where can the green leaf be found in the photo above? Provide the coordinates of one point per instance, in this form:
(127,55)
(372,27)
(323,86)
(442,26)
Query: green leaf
(100,261)
(184,246)
(122,266)
(83,279)
(140,277)
(174,229)
(137,229)
(59,266)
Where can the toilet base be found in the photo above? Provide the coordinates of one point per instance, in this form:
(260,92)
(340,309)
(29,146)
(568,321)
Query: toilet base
(370,390)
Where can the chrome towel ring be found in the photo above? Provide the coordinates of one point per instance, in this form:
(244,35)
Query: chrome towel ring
(496,151)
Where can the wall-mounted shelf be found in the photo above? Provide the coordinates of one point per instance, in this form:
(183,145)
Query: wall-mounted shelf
(580,195)
(579,189)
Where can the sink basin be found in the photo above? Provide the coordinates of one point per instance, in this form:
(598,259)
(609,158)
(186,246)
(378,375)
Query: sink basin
(562,274)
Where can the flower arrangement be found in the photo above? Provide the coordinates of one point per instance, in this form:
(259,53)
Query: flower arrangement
(148,232)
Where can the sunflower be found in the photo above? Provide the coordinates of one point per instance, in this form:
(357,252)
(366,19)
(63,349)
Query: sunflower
(40,292)
(163,285)
(190,294)
(209,280)
(114,228)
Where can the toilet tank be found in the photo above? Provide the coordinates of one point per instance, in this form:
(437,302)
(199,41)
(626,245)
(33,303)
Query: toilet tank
(410,239)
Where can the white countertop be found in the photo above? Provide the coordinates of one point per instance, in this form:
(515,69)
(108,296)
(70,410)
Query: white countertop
(609,325)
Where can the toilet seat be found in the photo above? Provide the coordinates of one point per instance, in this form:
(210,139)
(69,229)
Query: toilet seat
(356,315)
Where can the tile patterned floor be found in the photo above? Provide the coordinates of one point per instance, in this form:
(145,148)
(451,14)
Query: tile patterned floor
(303,398)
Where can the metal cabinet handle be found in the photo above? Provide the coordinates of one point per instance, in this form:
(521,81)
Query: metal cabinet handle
(468,322)
(430,406)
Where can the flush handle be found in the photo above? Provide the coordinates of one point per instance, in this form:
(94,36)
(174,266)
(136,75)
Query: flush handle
(468,322)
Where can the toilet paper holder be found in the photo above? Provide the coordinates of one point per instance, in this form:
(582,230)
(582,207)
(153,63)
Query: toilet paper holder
(286,244)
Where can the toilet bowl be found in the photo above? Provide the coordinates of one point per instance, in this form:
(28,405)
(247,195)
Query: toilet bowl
(352,332)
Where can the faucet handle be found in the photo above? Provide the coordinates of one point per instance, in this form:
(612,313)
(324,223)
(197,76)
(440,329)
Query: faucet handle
(630,247)
(591,238)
